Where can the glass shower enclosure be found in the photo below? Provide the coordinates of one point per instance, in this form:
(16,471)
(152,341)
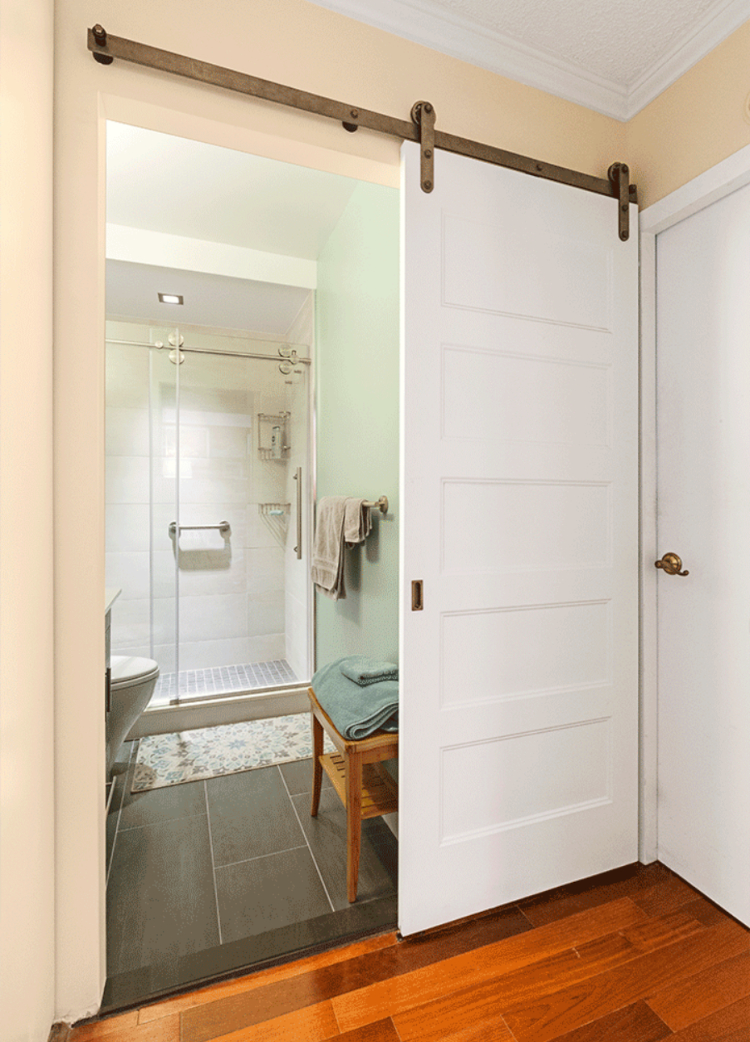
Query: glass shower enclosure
(207,490)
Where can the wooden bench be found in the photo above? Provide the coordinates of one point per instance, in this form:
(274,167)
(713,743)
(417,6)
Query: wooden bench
(364,786)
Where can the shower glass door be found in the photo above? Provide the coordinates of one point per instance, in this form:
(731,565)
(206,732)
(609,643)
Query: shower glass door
(233,433)
(203,505)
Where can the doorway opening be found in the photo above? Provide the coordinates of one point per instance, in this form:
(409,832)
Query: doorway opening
(227,413)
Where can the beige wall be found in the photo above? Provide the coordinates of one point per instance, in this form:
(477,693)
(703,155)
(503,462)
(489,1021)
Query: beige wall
(700,120)
(27,871)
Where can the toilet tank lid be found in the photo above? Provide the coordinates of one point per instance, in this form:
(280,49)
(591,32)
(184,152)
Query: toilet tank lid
(128,667)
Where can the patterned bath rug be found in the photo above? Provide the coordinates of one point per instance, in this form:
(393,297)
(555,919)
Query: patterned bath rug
(170,759)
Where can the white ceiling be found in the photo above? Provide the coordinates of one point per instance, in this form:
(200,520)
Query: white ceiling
(158,182)
(612,56)
(209,300)
(189,188)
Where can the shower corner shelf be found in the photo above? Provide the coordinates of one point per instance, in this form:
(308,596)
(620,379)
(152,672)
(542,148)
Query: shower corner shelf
(274,509)
(276,518)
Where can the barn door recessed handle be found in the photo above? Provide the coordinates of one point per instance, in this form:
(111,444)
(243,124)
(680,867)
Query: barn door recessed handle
(671,564)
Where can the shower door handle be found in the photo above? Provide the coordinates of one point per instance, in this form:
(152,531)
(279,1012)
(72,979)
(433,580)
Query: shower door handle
(298,547)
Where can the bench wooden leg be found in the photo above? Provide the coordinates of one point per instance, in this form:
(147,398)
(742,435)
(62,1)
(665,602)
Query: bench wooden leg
(353,822)
(317,744)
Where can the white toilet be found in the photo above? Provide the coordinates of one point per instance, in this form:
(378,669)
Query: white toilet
(132,685)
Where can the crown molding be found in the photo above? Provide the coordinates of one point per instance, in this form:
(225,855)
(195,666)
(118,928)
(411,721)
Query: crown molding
(457,36)
(454,35)
(700,41)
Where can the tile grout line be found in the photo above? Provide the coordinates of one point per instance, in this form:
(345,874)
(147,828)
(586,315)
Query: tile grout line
(213,862)
(259,857)
(307,841)
(162,821)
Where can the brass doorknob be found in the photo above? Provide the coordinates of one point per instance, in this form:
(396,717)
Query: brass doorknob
(671,564)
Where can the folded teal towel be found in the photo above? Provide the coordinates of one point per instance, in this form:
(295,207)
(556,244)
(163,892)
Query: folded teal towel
(364,671)
(356,711)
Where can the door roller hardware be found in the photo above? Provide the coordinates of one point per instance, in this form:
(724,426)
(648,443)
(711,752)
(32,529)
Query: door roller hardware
(618,175)
(423,116)
(671,564)
(417,595)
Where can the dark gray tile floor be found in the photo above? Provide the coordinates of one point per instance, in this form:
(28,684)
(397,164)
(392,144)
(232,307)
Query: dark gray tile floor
(211,876)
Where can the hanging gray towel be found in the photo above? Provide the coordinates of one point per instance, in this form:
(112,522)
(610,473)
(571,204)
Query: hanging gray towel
(328,547)
(357,521)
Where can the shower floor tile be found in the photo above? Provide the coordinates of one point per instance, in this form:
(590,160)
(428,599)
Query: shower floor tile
(222,680)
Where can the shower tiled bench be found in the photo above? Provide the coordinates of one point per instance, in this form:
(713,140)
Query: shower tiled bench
(364,786)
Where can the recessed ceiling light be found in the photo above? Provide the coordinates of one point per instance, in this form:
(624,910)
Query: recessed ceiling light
(170,298)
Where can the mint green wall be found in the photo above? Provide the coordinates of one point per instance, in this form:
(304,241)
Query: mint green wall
(357,422)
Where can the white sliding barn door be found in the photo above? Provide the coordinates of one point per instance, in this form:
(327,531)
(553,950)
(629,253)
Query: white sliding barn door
(519,745)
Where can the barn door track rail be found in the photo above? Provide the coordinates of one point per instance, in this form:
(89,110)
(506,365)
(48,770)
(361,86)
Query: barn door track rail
(421,129)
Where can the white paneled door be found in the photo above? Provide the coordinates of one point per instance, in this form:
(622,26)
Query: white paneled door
(703,401)
(519,742)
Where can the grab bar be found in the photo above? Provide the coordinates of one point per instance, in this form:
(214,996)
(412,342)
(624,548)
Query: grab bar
(223,527)
(298,478)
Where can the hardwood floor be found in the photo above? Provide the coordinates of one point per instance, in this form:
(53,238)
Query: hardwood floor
(636,955)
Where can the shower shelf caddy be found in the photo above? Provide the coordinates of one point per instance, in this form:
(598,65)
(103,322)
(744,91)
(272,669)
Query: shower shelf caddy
(268,448)
(276,518)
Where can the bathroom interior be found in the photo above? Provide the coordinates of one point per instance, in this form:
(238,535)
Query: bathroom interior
(265,379)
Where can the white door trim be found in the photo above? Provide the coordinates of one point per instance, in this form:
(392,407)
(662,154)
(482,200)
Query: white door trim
(710,186)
